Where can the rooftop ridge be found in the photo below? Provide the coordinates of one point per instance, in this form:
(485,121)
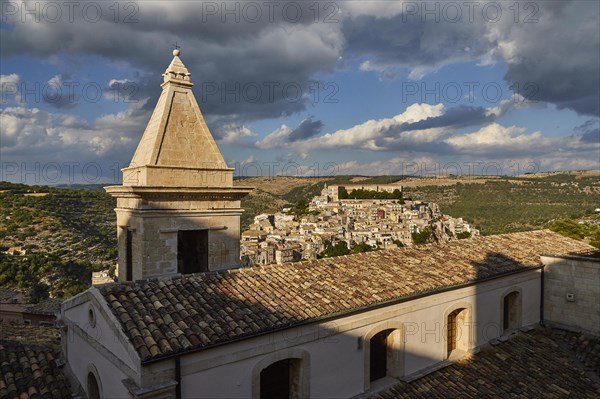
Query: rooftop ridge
(263,299)
(304,264)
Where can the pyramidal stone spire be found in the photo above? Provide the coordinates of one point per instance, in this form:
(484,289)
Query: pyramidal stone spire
(177,148)
(177,210)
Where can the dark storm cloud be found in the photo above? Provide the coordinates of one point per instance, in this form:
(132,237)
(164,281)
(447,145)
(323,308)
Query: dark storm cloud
(252,70)
(589,131)
(561,84)
(559,56)
(552,49)
(433,147)
(240,51)
(306,129)
(410,42)
(593,136)
(245,67)
(55,93)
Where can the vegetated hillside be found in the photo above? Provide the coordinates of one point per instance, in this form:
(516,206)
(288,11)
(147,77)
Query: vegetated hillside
(586,228)
(257,202)
(511,204)
(74,224)
(66,234)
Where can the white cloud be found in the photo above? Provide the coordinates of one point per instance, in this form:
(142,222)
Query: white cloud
(37,135)
(275,139)
(232,134)
(365,134)
(367,66)
(9,88)
(396,165)
(359,136)
(563,161)
(495,137)
(55,81)
(13,78)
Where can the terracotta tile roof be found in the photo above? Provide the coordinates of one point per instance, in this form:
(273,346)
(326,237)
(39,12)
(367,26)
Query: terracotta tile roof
(589,253)
(536,364)
(9,296)
(30,371)
(585,348)
(49,306)
(31,335)
(163,317)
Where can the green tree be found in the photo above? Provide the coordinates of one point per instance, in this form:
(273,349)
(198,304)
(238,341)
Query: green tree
(463,235)
(342,193)
(569,228)
(339,249)
(422,237)
(301,208)
(362,247)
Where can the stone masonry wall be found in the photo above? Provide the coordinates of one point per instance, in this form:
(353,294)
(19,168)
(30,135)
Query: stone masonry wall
(572,292)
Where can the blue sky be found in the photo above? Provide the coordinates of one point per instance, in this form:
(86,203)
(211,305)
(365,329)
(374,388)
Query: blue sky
(387,88)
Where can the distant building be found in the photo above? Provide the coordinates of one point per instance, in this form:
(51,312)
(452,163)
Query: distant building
(10,296)
(40,314)
(101,277)
(288,253)
(254,236)
(333,190)
(16,251)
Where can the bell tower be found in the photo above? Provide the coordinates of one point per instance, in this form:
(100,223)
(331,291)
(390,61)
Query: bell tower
(177,210)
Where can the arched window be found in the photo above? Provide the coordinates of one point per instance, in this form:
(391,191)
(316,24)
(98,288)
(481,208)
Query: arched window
(457,333)
(511,311)
(281,380)
(93,389)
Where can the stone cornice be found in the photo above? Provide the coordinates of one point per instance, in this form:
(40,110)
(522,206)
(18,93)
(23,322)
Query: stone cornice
(208,169)
(179,193)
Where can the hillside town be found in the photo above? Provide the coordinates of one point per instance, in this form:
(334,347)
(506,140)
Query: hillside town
(363,217)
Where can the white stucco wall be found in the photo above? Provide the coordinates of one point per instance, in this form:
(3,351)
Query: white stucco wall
(100,347)
(337,360)
(82,357)
(103,332)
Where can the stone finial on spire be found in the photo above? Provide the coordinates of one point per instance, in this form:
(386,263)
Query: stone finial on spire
(176,72)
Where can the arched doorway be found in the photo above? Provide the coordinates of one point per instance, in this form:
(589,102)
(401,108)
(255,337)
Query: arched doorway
(281,380)
(511,311)
(383,352)
(457,333)
(385,358)
(93,388)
